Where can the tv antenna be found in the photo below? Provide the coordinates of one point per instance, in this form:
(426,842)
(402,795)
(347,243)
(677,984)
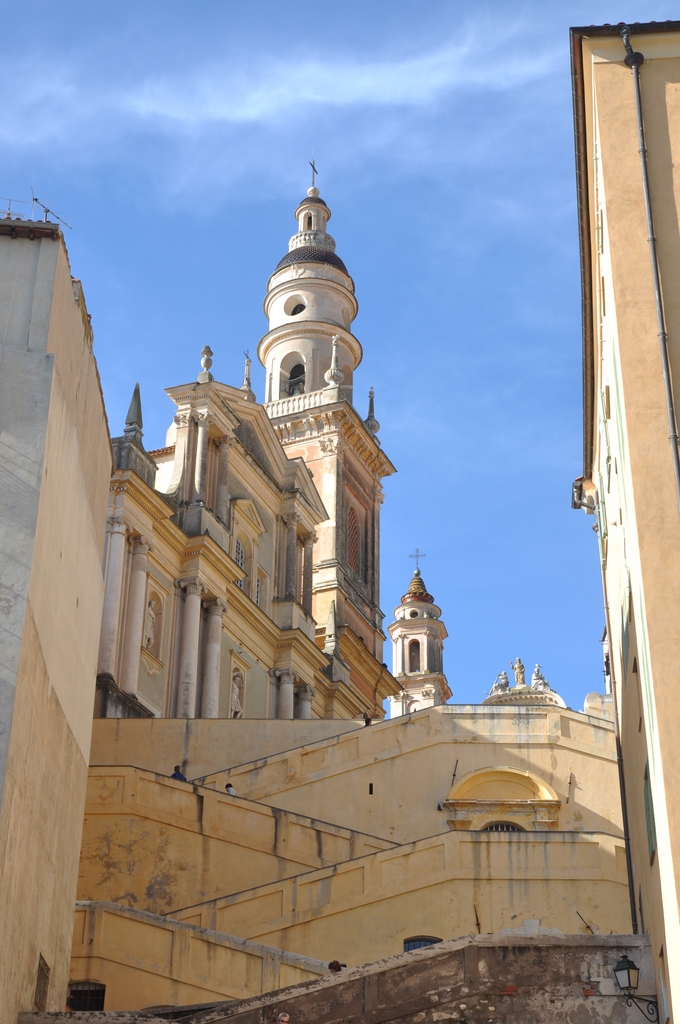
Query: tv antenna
(8,212)
(46,210)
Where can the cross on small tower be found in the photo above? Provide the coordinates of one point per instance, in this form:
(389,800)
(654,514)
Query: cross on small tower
(314,170)
(418,555)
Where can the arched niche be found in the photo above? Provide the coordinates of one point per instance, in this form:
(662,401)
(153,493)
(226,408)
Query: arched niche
(153,623)
(502,793)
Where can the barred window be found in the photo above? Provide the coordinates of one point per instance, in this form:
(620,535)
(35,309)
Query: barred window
(86,995)
(502,826)
(353,540)
(42,984)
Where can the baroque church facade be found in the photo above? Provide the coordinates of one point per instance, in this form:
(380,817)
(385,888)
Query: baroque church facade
(243,557)
(235,827)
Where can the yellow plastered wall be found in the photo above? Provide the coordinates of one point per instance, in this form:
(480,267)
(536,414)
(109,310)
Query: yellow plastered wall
(156,844)
(389,779)
(446,886)
(144,960)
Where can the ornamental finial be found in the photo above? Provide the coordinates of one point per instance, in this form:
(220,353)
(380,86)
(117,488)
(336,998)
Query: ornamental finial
(205,376)
(371,422)
(334,376)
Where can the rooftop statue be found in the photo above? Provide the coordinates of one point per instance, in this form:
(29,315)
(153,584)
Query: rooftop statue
(518,669)
(538,680)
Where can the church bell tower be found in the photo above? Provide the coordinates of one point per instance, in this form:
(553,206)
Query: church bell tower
(310,355)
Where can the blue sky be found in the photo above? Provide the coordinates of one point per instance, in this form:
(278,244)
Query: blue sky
(174,137)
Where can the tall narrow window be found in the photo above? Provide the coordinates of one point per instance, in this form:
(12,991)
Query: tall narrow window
(649,815)
(258,592)
(414,656)
(353,540)
(309,222)
(240,559)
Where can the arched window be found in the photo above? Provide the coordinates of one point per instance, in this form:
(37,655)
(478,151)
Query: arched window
(309,222)
(502,826)
(353,540)
(414,656)
(296,380)
(418,941)
(240,559)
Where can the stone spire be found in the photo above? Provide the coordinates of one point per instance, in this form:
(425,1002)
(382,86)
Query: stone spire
(133,420)
(371,422)
(128,451)
(246,387)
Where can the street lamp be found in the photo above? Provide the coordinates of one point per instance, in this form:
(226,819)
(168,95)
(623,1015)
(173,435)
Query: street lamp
(627,975)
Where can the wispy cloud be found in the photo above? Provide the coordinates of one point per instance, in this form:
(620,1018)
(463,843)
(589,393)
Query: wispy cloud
(235,97)
(77,99)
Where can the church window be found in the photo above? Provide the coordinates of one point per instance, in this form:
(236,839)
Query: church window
(414,656)
(299,308)
(86,995)
(413,614)
(309,222)
(418,941)
(240,559)
(353,540)
(502,826)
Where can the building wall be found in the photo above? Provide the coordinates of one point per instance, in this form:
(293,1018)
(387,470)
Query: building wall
(628,472)
(389,779)
(446,886)
(156,843)
(202,745)
(144,960)
(55,458)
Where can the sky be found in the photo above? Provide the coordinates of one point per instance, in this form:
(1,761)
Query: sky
(173,137)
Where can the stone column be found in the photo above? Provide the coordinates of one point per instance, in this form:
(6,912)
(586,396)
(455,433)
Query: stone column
(136,614)
(108,641)
(222,502)
(201,458)
(305,694)
(291,522)
(307,573)
(210,698)
(188,659)
(286,678)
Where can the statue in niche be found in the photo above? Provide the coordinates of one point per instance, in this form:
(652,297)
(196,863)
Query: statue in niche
(236,694)
(518,669)
(501,683)
(149,626)
(538,680)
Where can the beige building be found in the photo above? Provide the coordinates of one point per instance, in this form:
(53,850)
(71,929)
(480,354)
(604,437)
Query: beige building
(631,474)
(55,462)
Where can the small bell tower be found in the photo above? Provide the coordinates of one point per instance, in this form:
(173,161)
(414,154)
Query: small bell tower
(310,355)
(418,636)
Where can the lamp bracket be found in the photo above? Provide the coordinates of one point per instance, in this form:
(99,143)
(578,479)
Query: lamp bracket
(651,1013)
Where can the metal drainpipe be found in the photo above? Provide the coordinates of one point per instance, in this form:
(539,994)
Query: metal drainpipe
(634,61)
